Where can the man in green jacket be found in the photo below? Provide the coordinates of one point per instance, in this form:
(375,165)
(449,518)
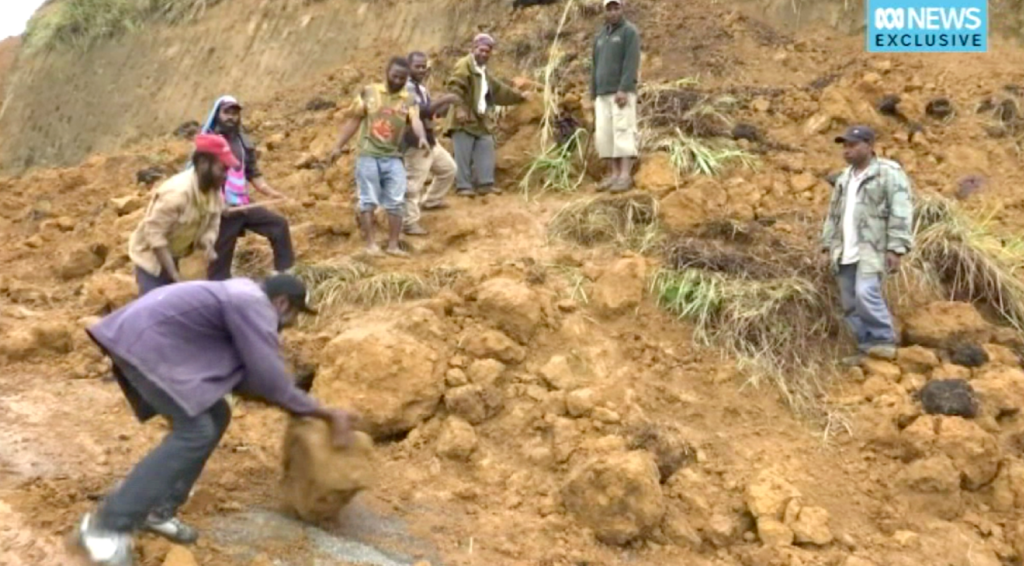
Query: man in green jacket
(471,119)
(867,232)
(613,84)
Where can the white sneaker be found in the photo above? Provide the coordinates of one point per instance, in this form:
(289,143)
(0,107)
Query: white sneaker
(172,529)
(104,548)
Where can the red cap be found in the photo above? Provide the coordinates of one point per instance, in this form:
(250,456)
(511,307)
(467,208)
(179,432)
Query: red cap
(218,147)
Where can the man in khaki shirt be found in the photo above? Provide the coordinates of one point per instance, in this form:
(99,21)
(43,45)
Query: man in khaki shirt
(183,215)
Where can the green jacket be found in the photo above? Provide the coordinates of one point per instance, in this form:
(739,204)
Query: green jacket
(884,216)
(466,83)
(616,60)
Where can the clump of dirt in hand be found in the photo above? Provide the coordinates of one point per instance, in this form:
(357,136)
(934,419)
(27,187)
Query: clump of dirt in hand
(319,478)
(950,397)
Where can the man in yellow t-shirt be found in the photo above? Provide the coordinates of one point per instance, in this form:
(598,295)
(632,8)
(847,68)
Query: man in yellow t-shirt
(380,114)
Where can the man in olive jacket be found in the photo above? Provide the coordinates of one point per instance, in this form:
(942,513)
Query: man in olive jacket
(471,119)
(868,230)
(613,86)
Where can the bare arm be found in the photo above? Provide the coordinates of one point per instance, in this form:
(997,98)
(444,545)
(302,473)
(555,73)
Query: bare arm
(261,185)
(418,129)
(163,255)
(345,133)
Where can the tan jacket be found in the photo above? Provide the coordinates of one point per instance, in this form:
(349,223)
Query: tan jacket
(179,217)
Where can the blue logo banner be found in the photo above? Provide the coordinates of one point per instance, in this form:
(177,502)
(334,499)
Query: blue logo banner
(927,26)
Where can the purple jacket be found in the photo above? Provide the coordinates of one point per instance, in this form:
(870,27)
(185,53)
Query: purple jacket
(199,341)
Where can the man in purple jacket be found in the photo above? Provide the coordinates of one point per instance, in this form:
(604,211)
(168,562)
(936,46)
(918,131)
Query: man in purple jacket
(178,351)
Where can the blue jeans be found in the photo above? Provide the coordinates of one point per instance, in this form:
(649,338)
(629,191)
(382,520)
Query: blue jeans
(864,308)
(382,183)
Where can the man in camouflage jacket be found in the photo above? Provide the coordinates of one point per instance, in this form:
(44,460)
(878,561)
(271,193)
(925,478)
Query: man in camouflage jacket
(867,232)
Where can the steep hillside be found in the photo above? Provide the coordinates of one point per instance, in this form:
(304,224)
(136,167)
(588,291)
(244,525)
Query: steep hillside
(538,394)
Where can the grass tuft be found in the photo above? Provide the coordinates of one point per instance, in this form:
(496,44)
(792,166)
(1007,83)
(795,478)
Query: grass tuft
(773,326)
(557,167)
(692,156)
(388,288)
(630,222)
(330,284)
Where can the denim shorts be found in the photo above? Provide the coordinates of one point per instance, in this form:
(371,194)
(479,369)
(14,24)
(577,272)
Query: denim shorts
(382,183)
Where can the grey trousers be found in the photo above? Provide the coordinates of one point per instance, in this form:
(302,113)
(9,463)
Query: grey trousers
(147,282)
(865,309)
(474,158)
(161,482)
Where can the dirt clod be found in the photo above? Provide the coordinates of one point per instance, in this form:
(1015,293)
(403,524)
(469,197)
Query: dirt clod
(617,496)
(320,479)
(969,356)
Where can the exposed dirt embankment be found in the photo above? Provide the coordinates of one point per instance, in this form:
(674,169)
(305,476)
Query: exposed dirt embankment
(65,104)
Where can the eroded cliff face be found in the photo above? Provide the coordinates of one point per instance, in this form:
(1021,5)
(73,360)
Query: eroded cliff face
(63,105)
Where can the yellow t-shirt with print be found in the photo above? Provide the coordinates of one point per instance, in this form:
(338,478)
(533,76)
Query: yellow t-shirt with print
(385,116)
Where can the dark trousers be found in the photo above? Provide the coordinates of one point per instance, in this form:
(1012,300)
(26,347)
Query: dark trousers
(147,282)
(162,481)
(261,221)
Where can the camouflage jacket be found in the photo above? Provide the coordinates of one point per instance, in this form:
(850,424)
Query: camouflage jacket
(884,216)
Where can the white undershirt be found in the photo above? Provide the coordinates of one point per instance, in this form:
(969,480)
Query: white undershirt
(481,104)
(851,249)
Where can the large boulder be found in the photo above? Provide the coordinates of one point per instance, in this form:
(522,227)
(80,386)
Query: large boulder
(512,306)
(617,496)
(319,478)
(946,325)
(81,260)
(390,378)
(620,288)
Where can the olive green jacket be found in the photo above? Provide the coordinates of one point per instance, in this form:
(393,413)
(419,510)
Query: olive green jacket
(466,83)
(884,216)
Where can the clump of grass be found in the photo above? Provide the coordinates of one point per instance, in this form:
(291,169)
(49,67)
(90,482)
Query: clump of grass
(968,259)
(692,156)
(387,288)
(330,284)
(562,168)
(77,23)
(630,222)
(775,326)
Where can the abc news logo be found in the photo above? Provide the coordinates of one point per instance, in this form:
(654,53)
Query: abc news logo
(928,19)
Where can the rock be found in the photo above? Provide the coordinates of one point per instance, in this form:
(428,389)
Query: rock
(106,292)
(320,479)
(723,530)
(951,397)
(945,325)
(768,494)
(455,377)
(605,415)
(677,528)
(580,402)
(915,359)
(179,556)
(558,374)
(907,539)
(876,386)
(881,368)
(933,486)
(494,344)
(81,260)
(760,104)
(811,527)
(127,205)
(969,356)
(512,306)
(620,288)
(617,496)
(392,379)
(773,533)
(802,182)
(485,372)
(457,440)
(474,403)
(999,390)
(668,444)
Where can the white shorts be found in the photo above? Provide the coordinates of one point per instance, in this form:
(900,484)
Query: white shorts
(615,129)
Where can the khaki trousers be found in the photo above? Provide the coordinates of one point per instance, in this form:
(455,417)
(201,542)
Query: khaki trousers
(419,165)
(615,129)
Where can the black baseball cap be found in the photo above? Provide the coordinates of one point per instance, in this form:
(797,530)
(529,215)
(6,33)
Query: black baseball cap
(289,286)
(857,133)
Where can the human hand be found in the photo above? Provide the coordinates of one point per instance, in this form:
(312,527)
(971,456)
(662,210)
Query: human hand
(621,99)
(211,255)
(423,144)
(341,427)
(892,262)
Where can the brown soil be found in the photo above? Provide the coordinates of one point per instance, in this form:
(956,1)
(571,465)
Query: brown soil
(533,399)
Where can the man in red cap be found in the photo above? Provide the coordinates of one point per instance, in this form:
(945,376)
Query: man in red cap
(183,215)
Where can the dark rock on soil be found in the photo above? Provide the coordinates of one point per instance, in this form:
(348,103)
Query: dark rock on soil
(188,130)
(889,105)
(939,108)
(149,175)
(969,356)
(317,104)
(951,397)
(746,132)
